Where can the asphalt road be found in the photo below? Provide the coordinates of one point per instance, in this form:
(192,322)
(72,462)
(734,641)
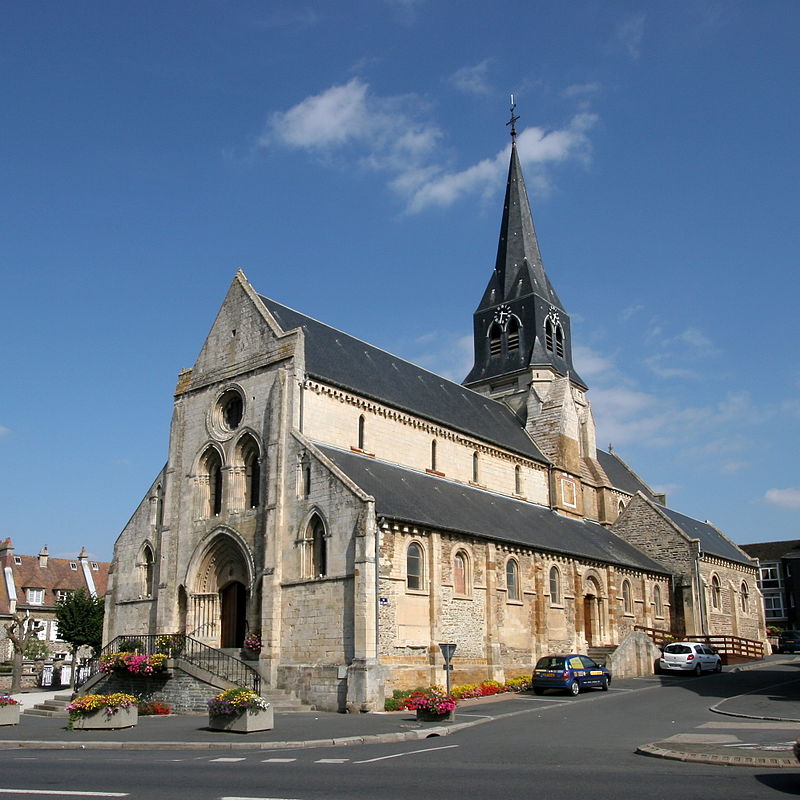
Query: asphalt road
(561,748)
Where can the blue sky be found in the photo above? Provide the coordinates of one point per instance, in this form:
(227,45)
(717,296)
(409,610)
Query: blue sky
(350,157)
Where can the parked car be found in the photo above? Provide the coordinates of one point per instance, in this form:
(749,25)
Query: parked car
(789,642)
(693,657)
(570,672)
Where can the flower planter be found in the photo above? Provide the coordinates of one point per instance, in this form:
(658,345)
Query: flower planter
(9,715)
(254,719)
(101,720)
(424,715)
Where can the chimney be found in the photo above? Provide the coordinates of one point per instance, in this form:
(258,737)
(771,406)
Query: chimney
(43,557)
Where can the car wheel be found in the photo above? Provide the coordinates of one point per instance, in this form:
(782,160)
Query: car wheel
(604,684)
(718,667)
(538,690)
(698,670)
(574,688)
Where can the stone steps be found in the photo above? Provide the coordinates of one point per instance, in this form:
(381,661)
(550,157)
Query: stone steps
(55,707)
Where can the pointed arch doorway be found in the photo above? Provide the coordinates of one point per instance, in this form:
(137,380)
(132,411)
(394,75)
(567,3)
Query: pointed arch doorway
(219,598)
(233,614)
(593,613)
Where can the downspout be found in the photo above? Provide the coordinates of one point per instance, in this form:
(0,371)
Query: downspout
(302,385)
(379,529)
(701,592)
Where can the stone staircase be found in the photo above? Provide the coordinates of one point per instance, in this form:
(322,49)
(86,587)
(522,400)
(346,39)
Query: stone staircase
(55,707)
(600,654)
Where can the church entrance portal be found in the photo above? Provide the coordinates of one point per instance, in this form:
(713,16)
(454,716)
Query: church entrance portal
(233,610)
(219,597)
(593,614)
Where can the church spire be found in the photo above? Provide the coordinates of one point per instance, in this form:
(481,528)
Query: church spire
(518,266)
(520,322)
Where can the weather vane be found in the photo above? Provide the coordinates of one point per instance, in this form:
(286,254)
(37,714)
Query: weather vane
(514,118)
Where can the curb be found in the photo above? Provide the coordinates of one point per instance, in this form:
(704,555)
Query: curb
(344,741)
(779,762)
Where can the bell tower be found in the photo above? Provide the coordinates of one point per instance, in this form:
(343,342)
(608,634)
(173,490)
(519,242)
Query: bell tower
(523,347)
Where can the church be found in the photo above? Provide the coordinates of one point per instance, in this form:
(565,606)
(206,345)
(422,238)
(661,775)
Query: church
(356,510)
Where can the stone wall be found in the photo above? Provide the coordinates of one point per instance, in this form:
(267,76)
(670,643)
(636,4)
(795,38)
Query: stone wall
(184,693)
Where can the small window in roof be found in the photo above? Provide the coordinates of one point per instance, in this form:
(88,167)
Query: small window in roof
(17,559)
(73,565)
(95,566)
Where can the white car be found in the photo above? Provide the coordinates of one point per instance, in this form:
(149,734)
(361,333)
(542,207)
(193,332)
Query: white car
(689,657)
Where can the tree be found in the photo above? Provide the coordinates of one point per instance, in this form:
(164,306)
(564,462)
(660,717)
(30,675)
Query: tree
(80,623)
(21,631)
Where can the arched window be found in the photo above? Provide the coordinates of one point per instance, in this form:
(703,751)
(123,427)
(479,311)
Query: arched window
(512,579)
(460,574)
(415,567)
(306,474)
(316,548)
(518,479)
(159,520)
(433,455)
(555,585)
(744,597)
(549,334)
(627,600)
(211,469)
(495,341)
(658,603)
(716,593)
(512,334)
(475,467)
(249,455)
(361,426)
(146,563)
(559,341)
(620,507)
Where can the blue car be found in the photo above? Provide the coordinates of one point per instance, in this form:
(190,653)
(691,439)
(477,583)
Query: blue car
(571,673)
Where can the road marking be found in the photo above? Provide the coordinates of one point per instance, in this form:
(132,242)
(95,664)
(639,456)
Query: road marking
(237,797)
(332,761)
(227,759)
(278,760)
(409,753)
(63,793)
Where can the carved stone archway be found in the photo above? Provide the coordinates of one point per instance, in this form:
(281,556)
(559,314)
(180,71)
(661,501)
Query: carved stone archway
(219,584)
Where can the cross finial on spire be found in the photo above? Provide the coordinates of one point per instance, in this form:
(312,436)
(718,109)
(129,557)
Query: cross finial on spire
(513,120)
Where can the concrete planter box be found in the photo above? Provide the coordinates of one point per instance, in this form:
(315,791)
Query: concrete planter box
(9,715)
(258,719)
(100,720)
(423,715)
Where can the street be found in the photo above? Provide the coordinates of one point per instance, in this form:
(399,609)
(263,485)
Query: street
(546,747)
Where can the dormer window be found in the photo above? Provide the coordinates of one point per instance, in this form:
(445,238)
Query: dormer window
(73,565)
(554,336)
(35,596)
(95,566)
(559,342)
(18,560)
(549,334)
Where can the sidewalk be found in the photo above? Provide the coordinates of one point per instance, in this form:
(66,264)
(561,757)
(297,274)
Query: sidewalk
(753,723)
(190,732)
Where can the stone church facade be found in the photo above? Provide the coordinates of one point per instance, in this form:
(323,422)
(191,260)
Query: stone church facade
(357,510)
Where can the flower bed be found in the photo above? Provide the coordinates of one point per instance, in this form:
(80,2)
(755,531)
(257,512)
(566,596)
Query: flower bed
(154,708)
(9,710)
(132,663)
(409,700)
(252,642)
(116,710)
(7,700)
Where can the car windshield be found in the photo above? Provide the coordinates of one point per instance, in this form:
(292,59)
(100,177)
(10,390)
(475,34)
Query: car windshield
(550,662)
(790,635)
(678,649)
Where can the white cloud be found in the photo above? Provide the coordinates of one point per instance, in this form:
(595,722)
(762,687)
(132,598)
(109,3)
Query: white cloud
(629,35)
(535,147)
(784,498)
(630,311)
(4,431)
(474,79)
(581,90)
(392,135)
(589,363)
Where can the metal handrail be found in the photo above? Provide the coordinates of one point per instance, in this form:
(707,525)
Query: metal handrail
(724,644)
(189,649)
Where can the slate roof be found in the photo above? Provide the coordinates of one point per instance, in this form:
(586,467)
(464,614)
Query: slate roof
(422,499)
(711,540)
(344,361)
(772,551)
(621,475)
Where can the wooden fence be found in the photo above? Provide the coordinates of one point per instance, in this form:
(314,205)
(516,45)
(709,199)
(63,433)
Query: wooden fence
(733,649)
